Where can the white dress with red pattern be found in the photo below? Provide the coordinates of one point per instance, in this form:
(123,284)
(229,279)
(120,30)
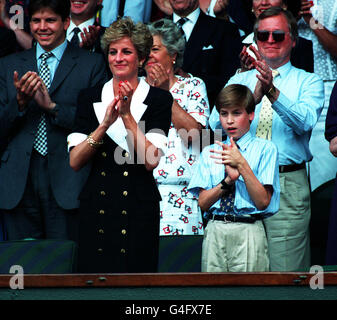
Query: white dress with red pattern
(179,211)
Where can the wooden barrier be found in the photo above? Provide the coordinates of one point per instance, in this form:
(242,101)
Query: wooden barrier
(173,286)
(169,280)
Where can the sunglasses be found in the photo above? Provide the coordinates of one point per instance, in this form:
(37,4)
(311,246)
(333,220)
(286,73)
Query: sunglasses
(263,35)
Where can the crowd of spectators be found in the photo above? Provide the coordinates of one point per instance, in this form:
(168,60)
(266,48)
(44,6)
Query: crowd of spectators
(105,107)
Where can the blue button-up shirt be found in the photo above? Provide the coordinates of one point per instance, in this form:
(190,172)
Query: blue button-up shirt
(297,110)
(262,157)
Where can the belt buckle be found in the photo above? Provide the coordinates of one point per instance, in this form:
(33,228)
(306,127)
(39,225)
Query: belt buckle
(225,219)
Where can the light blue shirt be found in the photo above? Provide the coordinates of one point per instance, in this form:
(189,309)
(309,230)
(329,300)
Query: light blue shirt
(297,110)
(54,60)
(262,157)
(137,10)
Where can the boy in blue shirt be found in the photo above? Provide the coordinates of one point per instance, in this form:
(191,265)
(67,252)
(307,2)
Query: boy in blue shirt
(237,182)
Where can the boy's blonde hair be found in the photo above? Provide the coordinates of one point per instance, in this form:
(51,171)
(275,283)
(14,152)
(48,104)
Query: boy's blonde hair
(235,95)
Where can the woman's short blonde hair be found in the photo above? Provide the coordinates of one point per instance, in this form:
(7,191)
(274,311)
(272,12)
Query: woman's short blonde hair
(139,35)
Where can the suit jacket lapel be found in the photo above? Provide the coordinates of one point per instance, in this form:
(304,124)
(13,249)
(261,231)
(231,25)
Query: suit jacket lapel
(67,63)
(28,62)
(117,131)
(201,32)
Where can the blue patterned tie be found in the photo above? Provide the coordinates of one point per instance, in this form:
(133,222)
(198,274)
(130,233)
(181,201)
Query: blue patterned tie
(40,142)
(227,201)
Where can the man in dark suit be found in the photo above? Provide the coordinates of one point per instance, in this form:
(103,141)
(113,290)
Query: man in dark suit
(212,48)
(38,97)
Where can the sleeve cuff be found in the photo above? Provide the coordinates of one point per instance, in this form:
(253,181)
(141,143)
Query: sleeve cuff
(157,139)
(74,139)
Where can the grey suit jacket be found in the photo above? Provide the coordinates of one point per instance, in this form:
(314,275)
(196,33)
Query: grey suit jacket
(78,69)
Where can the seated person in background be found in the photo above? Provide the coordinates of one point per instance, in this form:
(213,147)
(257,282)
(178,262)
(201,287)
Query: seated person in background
(180,214)
(302,54)
(236,190)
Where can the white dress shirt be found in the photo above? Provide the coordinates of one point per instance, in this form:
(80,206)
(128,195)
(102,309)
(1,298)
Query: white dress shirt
(72,26)
(190,23)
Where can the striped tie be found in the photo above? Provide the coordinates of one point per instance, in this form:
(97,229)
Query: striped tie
(180,24)
(40,142)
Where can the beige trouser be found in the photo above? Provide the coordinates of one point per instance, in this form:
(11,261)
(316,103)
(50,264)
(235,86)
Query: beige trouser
(288,230)
(234,247)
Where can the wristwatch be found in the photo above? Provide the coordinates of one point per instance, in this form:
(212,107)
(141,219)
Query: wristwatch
(271,91)
(54,111)
(225,185)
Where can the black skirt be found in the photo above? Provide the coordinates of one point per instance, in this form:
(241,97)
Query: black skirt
(119,217)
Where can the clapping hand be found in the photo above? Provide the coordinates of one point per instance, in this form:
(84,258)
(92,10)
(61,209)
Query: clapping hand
(26,87)
(157,76)
(3,14)
(89,36)
(264,76)
(229,156)
(305,11)
(124,95)
(220,6)
(30,86)
(111,113)
(246,60)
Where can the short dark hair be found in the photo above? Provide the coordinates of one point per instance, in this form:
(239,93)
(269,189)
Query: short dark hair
(277,11)
(235,95)
(60,7)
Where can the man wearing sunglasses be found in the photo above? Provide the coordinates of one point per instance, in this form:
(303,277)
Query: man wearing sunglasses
(295,100)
